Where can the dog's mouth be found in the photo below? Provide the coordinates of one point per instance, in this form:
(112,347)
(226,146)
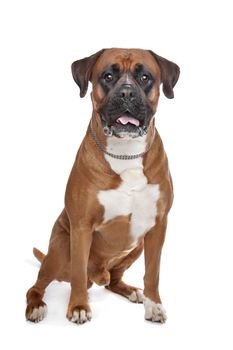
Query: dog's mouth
(125,125)
(127,119)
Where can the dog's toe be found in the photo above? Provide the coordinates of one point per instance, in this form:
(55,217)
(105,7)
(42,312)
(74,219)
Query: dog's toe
(136,296)
(79,314)
(36,313)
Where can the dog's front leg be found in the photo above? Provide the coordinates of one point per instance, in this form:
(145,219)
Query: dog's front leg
(79,310)
(153,243)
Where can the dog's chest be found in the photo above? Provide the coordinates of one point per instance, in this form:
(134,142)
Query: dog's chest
(134,195)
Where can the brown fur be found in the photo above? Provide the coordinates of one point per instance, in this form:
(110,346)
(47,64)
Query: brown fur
(38,254)
(81,250)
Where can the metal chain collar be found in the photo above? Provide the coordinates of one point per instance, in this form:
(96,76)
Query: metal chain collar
(117,156)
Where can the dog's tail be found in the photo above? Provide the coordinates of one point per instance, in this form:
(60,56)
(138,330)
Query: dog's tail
(38,254)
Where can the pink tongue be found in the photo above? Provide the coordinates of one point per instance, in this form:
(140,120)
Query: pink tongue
(124,119)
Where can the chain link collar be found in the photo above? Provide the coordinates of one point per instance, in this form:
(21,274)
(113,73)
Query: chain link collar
(117,156)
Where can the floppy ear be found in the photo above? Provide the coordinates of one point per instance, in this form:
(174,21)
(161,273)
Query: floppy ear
(82,69)
(169,74)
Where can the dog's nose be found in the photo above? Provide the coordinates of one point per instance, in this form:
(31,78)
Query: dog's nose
(126,92)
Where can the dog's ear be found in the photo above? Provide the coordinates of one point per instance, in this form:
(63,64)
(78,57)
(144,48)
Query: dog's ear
(169,74)
(82,69)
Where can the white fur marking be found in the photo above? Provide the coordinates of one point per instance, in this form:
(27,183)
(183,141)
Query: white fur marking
(75,317)
(81,316)
(125,146)
(134,196)
(154,312)
(38,313)
(136,296)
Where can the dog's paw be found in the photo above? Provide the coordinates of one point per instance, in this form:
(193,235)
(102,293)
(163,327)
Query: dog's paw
(154,312)
(136,296)
(36,312)
(80,314)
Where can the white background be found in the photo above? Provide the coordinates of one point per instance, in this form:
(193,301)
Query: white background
(43,121)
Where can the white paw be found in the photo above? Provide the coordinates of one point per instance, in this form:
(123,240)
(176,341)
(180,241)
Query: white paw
(136,296)
(81,316)
(154,312)
(38,314)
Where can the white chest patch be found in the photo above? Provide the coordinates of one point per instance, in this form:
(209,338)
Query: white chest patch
(134,196)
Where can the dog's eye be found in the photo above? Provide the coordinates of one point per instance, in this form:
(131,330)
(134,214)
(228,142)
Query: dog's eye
(108,77)
(144,78)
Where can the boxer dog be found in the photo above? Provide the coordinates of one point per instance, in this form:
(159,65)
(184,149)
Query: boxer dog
(119,191)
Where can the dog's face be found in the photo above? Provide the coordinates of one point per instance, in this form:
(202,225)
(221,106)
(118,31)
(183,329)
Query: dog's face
(126,86)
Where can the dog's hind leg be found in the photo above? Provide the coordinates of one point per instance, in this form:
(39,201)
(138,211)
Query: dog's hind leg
(36,307)
(54,265)
(116,285)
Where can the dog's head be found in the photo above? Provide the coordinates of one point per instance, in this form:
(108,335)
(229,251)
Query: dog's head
(126,86)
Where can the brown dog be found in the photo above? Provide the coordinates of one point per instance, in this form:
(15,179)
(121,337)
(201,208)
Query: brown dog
(119,191)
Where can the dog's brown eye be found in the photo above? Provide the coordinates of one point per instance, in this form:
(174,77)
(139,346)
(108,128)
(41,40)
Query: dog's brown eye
(108,78)
(144,78)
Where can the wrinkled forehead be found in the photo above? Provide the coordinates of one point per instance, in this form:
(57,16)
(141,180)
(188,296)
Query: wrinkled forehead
(127,60)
